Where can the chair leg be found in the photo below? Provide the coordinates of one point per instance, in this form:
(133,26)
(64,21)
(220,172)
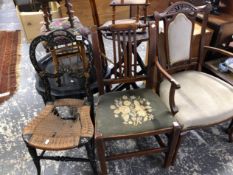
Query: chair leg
(90,147)
(36,160)
(172,145)
(180,140)
(101,155)
(230,131)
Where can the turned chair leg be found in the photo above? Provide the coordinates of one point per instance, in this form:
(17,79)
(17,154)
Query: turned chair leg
(35,158)
(90,148)
(172,145)
(101,155)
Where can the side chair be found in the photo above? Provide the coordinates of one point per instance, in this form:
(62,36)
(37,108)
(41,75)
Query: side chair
(196,99)
(132,113)
(64,123)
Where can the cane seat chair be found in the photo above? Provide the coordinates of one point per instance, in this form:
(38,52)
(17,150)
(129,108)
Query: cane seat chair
(196,99)
(132,113)
(64,123)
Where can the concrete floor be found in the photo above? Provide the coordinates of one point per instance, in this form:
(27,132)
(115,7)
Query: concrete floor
(203,152)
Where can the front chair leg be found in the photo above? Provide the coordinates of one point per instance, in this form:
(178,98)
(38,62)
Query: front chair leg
(230,131)
(172,144)
(90,148)
(35,158)
(101,155)
(180,140)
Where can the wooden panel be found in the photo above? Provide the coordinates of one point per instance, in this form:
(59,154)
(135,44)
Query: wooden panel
(227,6)
(158,5)
(32,21)
(81,9)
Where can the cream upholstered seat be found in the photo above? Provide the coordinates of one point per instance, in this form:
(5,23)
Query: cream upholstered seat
(202,99)
(196,99)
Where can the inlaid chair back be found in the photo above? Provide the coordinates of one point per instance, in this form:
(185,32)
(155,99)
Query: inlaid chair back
(66,68)
(137,3)
(176,26)
(124,58)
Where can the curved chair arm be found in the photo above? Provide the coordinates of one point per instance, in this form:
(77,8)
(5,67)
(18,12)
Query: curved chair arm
(174,85)
(215,49)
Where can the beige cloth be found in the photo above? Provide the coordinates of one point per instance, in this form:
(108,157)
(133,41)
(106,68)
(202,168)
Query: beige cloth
(201,100)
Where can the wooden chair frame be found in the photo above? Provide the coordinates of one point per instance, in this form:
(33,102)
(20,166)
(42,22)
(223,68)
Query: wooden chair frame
(165,69)
(48,16)
(128,76)
(78,47)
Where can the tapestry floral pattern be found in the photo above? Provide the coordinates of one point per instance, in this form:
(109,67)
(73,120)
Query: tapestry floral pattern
(133,110)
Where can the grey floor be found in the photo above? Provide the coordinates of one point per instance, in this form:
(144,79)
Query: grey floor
(203,152)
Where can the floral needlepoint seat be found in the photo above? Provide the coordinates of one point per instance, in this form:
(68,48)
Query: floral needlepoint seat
(133,111)
(137,111)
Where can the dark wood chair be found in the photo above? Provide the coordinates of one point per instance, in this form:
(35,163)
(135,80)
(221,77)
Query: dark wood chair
(199,100)
(133,19)
(63,57)
(67,23)
(64,123)
(131,113)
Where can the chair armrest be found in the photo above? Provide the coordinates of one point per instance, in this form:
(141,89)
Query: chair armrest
(215,49)
(174,85)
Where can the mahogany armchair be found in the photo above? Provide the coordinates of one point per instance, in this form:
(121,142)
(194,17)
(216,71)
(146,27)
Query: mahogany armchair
(196,99)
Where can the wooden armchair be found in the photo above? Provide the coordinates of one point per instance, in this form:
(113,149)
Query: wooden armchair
(63,123)
(131,113)
(196,99)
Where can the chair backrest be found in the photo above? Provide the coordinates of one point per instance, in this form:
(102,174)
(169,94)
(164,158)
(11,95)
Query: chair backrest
(48,16)
(137,3)
(67,65)
(175,30)
(125,57)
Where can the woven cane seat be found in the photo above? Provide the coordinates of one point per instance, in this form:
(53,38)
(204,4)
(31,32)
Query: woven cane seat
(61,125)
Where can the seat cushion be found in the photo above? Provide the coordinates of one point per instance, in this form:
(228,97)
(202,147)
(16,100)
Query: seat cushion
(201,100)
(131,112)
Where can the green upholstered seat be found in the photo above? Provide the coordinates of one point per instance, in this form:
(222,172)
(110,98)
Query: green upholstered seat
(131,112)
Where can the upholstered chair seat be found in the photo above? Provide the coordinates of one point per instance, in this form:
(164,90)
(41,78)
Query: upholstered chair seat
(131,112)
(202,99)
